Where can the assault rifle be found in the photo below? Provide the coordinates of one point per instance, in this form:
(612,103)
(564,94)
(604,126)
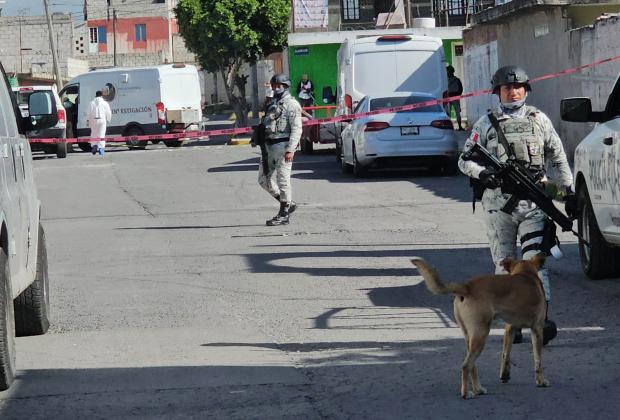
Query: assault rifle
(519,182)
(258,139)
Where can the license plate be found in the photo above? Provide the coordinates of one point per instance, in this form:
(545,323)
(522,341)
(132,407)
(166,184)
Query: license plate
(408,131)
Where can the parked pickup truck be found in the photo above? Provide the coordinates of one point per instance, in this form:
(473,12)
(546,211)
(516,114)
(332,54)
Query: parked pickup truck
(24,288)
(597,183)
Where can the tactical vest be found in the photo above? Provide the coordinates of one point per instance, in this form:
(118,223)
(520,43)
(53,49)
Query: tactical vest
(526,139)
(276,121)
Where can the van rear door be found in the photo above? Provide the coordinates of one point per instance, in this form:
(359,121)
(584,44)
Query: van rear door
(399,66)
(180,94)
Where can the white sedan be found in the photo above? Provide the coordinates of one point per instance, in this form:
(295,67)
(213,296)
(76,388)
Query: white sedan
(419,137)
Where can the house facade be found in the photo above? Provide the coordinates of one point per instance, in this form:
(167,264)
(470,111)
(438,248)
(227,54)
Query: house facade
(124,33)
(554,35)
(365,14)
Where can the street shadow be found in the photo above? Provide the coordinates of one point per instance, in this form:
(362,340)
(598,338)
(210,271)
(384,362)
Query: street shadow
(415,306)
(459,263)
(348,245)
(321,167)
(39,156)
(323,379)
(186,227)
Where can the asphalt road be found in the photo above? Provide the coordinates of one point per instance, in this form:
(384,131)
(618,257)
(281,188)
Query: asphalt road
(171,299)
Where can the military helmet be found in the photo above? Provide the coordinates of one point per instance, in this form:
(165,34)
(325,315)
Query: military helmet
(508,75)
(282,79)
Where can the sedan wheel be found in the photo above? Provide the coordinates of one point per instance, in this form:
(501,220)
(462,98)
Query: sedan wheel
(338,150)
(359,171)
(345,168)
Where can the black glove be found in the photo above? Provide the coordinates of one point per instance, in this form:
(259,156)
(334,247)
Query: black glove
(489,179)
(570,204)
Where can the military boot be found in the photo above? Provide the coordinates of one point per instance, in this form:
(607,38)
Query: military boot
(518,337)
(282,218)
(550,329)
(291,207)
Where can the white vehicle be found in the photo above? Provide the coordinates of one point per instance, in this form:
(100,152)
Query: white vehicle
(419,137)
(597,183)
(24,288)
(389,63)
(144,100)
(59,131)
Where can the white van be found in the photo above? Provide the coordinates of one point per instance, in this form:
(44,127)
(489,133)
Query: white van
(24,284)
(144,100)
(379,65)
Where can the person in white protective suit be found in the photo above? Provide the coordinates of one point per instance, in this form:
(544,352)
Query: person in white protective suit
(98,116)
(530,139)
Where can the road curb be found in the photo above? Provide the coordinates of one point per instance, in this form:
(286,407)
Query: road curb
(238,142)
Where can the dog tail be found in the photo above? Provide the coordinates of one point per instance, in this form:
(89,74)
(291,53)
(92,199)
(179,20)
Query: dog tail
(434,283)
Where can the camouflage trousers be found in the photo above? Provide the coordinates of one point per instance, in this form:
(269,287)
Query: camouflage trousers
(525,223)
(277,181)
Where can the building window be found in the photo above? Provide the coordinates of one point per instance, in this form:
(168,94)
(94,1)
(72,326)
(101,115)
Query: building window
(350,10)
(102,35)
(94,32)
(141,32)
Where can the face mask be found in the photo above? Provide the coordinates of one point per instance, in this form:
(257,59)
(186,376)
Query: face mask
(514,105)
(279,90)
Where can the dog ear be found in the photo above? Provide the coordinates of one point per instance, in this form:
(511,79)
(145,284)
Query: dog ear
(538,260)
(415,260)
(508,263)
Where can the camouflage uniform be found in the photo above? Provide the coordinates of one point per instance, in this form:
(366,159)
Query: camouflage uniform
(282,122)
(535,142)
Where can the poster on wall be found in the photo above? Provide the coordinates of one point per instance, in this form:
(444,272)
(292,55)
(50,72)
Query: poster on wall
(310,13)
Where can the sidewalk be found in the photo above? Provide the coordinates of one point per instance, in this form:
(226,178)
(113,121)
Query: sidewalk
(223,121)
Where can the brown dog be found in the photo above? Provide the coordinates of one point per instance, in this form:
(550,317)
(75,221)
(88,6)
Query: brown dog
(517,298)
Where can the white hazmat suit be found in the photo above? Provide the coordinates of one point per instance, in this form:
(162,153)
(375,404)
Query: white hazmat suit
(98,115)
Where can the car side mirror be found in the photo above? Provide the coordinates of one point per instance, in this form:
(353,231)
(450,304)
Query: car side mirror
(42,112)
(579,110)
(328,95)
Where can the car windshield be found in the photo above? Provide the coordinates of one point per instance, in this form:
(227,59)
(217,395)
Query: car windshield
(380,103)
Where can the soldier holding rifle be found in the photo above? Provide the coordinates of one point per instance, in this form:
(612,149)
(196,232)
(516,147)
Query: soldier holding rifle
(525,135)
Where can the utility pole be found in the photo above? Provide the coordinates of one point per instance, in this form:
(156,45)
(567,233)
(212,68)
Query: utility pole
(53,46)
(170,46)
(114,33)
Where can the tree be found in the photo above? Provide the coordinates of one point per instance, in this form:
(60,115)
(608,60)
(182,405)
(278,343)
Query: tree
(224,34)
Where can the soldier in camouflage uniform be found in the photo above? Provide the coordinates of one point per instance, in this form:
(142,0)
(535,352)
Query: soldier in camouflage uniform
(282,122)
(534,141)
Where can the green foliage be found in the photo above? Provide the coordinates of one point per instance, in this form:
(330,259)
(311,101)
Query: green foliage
(225,33)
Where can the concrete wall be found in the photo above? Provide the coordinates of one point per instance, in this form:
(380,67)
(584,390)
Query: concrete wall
(96,61)
(24,40)
(586,45)
(98,9)
(544,44)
